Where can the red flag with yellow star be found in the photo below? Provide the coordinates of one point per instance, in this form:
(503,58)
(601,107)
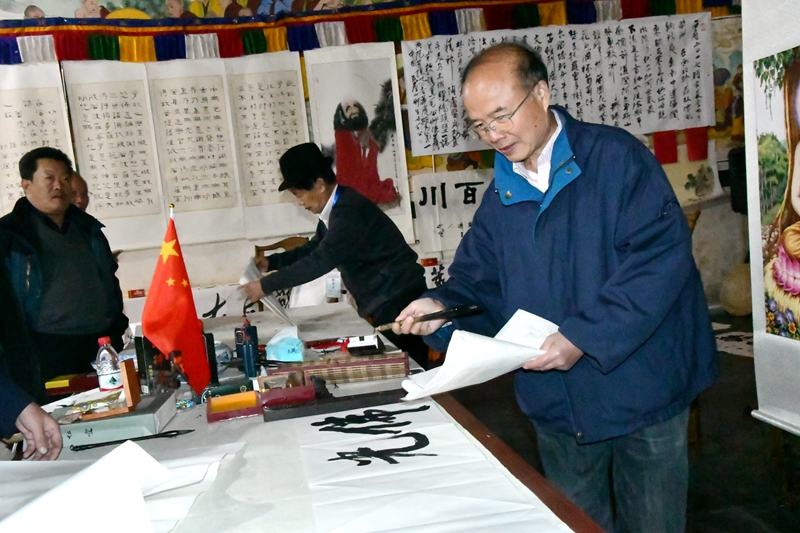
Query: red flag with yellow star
(169,319)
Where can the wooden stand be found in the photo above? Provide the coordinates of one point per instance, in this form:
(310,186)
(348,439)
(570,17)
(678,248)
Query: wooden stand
(133,393)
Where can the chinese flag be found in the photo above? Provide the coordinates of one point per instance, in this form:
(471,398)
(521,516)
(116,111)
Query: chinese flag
(169,319)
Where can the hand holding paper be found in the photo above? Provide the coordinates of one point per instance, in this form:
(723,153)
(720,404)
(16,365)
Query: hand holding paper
(559,354)
(473,358)
(250,278)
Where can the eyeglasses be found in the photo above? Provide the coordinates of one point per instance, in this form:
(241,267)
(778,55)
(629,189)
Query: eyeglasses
(501,124)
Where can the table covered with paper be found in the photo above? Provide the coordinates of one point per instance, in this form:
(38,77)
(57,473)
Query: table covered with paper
(404,467)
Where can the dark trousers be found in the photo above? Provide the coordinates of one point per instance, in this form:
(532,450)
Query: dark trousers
(412,344)
(649,476)
(69,354)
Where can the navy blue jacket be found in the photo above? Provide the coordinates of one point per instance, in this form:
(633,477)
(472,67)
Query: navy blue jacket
(20,249)
(12,402)
(606,254)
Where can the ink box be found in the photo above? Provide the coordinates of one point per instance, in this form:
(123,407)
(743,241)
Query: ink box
(276,391)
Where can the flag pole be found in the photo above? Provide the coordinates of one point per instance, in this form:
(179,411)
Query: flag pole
(171,207)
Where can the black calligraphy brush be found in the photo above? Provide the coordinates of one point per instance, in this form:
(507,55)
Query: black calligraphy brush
(447,314)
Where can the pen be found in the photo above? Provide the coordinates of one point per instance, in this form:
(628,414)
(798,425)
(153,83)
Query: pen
(173,433)
(453,312)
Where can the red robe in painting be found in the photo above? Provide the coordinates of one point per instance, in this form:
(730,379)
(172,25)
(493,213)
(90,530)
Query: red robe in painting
(359,170)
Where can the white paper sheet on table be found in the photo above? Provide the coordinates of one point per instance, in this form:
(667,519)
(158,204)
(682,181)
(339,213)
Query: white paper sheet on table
(125,490)
(449,485)
(251,273)
(473,358)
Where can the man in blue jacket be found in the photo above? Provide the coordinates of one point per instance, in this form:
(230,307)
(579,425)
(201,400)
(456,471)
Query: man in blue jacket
(582,228)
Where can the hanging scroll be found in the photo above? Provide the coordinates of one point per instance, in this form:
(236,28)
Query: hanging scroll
(115,143)
(444,206)
(643,75)
(32,114)
(195,147)
(268,107)
(355,112)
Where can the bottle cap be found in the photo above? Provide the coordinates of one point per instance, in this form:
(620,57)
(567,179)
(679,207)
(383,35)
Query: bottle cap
(103,340)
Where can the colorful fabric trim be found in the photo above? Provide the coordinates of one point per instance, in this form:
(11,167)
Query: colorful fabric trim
(331,34)
(581,12)
(553,13)
(302,38)
(415,27)
(37,48)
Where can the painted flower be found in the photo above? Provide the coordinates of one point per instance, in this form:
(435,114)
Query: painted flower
(789,315)
(772,305)
(792,328)
(780,320)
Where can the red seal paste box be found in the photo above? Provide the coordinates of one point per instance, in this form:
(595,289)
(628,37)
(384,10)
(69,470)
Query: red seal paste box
(284,390)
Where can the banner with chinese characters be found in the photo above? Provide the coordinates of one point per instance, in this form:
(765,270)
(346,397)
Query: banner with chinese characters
(644,75)
(269,112)
(444,205)
(33,114)
(116,153)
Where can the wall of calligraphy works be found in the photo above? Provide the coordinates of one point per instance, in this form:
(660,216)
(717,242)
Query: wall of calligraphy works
(204,135)
(644,75)
(32,114)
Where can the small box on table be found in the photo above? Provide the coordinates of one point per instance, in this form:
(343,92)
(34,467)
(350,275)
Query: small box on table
(253,402)
(342,367)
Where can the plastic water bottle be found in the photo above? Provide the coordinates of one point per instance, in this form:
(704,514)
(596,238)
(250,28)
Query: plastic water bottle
(109,375)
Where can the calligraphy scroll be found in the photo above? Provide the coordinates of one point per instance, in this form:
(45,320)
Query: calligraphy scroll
(195,147)
(32,114)
(643,75)
(268,107)
(115,149)
(112,126)
(355,112)
(444,206)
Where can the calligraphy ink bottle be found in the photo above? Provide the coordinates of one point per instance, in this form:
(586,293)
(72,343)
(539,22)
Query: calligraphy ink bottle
(246,338)
(109,374)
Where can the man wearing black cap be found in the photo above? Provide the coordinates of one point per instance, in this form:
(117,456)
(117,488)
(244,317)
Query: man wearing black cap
(378,268)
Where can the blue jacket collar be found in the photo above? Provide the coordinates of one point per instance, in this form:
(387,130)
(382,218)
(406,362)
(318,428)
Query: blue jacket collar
(513,188)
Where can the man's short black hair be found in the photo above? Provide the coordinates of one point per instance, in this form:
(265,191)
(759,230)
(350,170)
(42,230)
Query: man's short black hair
(30,161)
(530,67)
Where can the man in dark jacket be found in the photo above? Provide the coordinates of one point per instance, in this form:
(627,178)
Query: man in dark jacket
(20,386)
(378,268)
(61,268)
(581,227)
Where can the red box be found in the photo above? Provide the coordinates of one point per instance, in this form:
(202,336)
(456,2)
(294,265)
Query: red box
(253,403)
